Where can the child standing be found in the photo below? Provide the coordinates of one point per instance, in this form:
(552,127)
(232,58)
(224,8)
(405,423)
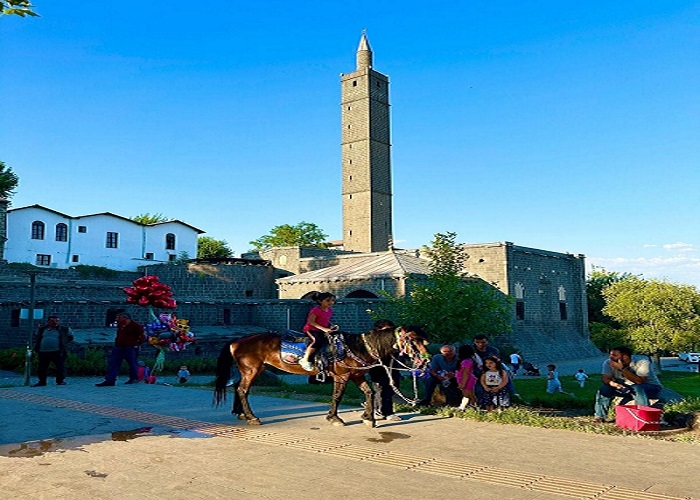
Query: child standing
(183,375)
(553,383)
(581,377)
(143,372)
(318,323)
(466,380)
(494,381)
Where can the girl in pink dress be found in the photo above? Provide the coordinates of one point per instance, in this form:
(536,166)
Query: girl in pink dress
(466,380)
(318,323)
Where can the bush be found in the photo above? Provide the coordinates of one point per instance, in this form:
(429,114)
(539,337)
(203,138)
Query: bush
(88,363)
(12,359)
(87,271)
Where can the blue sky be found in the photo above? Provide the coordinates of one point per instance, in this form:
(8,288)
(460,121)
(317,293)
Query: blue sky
(562,125)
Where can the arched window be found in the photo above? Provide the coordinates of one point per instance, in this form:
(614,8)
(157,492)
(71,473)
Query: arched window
(170,241)
(61,232)
(38,228)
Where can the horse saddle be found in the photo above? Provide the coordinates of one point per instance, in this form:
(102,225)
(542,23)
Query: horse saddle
(293,346)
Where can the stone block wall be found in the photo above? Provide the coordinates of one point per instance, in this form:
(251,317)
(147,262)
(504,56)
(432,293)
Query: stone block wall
(216,282)
(545,283)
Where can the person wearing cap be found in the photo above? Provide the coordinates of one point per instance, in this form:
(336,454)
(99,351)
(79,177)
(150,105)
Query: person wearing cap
(51,344)
(129,337)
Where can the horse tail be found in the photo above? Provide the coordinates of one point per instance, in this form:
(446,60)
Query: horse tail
(224,363)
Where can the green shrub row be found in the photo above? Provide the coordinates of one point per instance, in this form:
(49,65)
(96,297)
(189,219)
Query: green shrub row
(93,361)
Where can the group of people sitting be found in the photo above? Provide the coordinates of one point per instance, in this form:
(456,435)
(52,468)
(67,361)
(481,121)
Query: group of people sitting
(472,376)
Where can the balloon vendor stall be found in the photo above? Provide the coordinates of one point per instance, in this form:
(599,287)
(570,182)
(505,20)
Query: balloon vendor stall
(164,331)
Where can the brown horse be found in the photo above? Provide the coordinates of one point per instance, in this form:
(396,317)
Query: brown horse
(365,350)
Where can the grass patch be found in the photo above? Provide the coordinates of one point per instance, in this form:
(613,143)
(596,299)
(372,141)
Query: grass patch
(686,384)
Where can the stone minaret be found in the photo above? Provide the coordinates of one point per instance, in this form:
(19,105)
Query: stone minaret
(366,156)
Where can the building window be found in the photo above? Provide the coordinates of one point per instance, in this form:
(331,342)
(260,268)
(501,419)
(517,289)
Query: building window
(112,239)
(227,316)
(562,311)
(82,229)
(38,228)
(170,241)
(520,310)
(354,83)
(43,260)
(172,257)
(248,294)
(61,232)
(14,318)
(111,317)
(149,256)
(519,291)
(561,291)
(75,258)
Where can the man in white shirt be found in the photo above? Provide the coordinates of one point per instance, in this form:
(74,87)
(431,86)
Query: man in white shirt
(625,377)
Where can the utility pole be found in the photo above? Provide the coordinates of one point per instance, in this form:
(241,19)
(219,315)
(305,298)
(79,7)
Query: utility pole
(30,336)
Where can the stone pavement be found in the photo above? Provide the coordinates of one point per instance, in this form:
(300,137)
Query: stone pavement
(158,441)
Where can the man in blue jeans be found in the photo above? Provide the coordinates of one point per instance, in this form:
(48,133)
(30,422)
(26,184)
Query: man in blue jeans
(622,376)
(130,335)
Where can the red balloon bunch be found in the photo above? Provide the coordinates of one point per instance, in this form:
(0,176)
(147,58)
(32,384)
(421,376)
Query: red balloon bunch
(148,291)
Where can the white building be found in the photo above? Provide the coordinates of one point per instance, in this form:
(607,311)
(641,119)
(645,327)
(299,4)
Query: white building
(45,237)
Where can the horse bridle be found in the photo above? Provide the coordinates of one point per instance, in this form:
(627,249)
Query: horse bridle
(409,343)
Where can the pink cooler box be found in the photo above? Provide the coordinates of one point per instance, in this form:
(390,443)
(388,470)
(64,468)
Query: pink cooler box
(638,418)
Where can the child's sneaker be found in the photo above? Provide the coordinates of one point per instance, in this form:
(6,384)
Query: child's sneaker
(393,418)
(306,365)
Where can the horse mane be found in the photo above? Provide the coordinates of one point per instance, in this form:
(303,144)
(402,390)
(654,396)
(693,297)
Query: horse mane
(380,342)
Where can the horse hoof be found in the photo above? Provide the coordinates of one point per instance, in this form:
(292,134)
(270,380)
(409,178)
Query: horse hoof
(254,421)
(370,423)
(336,421)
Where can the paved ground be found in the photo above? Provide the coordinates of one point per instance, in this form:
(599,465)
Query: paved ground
(157,441)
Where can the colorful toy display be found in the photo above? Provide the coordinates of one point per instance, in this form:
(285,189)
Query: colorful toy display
(164,331)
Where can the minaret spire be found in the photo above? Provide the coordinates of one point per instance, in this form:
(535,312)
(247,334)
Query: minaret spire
(364,53)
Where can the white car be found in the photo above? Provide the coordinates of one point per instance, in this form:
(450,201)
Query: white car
(689,357)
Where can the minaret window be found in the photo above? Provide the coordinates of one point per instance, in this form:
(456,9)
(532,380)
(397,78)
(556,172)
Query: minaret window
(354,83)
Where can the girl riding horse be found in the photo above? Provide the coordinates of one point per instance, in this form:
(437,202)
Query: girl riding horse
(365,350)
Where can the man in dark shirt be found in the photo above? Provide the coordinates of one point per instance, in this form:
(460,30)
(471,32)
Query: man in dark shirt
(50,344)
(126,347)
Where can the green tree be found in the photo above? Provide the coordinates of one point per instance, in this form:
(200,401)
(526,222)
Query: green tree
(657,315)
(209,248)
(305,234)
(148,218)
(597,281)
(17,7)
(8,181)
(448,305)
(605,337)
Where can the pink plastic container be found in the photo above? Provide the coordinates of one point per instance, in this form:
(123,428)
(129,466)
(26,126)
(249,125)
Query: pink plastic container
(637,417)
